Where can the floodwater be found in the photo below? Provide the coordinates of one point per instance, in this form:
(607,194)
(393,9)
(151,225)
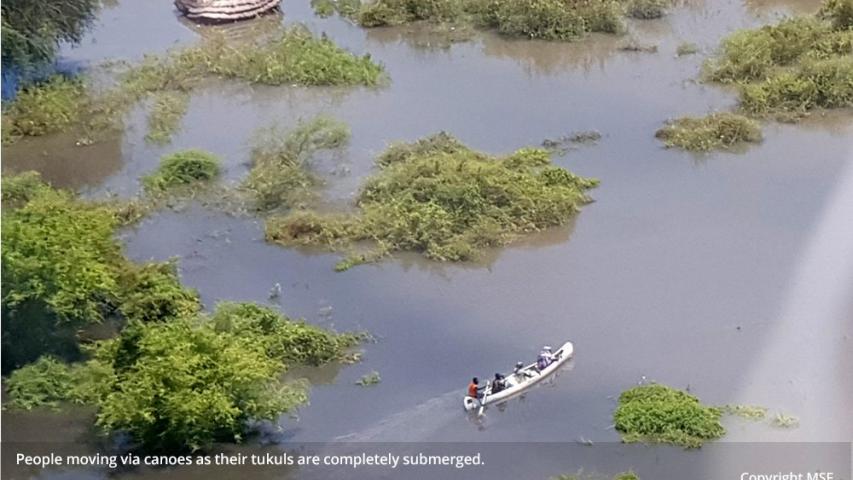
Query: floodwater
(727,273)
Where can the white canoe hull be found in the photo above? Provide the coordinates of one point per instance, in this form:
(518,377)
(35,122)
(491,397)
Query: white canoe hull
(519,382)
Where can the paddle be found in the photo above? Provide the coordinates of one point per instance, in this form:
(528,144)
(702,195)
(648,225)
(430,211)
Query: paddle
(483,401)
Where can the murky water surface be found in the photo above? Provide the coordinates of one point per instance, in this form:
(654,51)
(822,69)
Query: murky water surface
(689,270)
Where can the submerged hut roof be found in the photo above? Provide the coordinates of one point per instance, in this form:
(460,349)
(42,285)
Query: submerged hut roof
(224,10)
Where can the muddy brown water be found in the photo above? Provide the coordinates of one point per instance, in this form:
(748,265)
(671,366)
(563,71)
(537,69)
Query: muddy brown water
(699,271)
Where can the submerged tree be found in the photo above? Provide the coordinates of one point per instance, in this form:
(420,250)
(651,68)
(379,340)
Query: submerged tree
(33,29)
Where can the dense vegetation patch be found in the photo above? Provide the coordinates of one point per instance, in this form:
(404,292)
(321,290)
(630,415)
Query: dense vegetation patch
(718,130)
(49,107)
(794,67)
(183,169)
(292,57)
(63,269)
(280,176)
(545,19)
(657,413)
(438,197)
(184,383)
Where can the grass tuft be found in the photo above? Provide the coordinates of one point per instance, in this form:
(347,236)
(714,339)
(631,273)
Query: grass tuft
(715,131)
(369,379)
(657,413)
(280,175)
(166,115)
(687,48)
(182,169)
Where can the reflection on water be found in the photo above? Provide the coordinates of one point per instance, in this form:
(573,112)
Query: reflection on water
(61,163)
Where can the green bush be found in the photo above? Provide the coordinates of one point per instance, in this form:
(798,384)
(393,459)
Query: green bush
(395,12)
(294,342)
(165,117)
(189,386)
(657,413)
(153,292)
(49,382)
(840,12)
(648,9)
(21,188)
(546,19)
(45,108)
(718,130)
(60,252)
(818,84)
(181,169)
(440,198)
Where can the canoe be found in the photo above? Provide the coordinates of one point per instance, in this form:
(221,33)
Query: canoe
(520,381)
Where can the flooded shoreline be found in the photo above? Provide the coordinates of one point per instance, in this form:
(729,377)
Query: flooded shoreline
(683,270)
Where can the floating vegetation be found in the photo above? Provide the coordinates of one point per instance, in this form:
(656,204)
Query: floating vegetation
(718,130)
(563,144)
(634,46)
(686,48)
(792,68)
(657,413)
(750,412)
(49,107)
(544,19)
(165,116)
(280,175)
(369,379)
(182,169)
(440,198)
(782,420)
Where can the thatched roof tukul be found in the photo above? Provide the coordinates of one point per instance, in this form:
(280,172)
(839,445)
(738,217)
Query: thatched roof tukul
(224,10)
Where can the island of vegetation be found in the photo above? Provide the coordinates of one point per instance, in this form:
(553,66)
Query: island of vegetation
(543,19)
(784,71)
(174,378)
(294,56)
(438,197)
(660,414)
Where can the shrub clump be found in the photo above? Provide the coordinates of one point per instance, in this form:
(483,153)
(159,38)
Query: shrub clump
(40,109)
(280,175)
(648,9)
(657,413)
(718,130)
(49,382)
(438,197)
(182,169)
(789,69)
(545,19)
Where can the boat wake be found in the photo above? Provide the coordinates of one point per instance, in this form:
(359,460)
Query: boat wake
(418,423)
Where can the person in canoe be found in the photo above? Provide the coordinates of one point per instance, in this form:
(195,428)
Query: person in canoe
(545,358)
(474,388)
(498,384)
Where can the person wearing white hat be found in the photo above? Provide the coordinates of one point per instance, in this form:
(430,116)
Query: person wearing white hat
(545,358)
